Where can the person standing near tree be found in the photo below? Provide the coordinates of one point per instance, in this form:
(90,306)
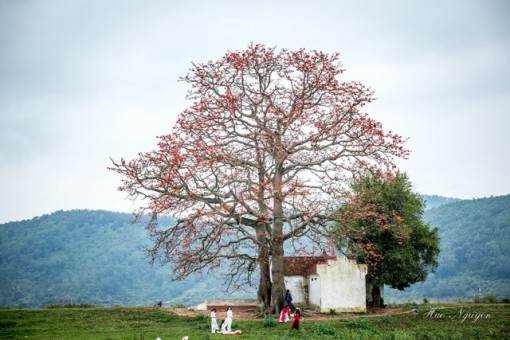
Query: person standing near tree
(227,326)
(284,314)
(295,320)
(214,323)
(288,299)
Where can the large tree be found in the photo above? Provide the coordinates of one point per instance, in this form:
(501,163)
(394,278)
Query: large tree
(381,225)
(261,156)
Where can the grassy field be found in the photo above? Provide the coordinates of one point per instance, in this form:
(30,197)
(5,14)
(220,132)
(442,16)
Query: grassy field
(446,321)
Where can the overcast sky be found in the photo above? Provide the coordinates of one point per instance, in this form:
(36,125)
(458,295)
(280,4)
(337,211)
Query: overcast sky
(83,81)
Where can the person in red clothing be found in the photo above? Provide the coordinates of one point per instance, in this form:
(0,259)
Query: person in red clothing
(284,314)
(295,321)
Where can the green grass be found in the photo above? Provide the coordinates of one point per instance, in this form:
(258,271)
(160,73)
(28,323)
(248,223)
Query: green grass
(427,322)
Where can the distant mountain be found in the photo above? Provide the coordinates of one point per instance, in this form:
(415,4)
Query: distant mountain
(434,201)
(98,257)
(92,257)
(475,257)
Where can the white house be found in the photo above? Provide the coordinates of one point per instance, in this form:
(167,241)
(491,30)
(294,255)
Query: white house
(327,283)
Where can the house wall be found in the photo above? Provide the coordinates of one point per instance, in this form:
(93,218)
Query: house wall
(342,285)
(314,290)
(296,286)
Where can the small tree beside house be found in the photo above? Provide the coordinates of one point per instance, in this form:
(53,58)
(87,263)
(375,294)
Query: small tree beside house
(387,214)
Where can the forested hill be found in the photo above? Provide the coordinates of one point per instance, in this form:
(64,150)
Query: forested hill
(434,201)
(83,256)
(98,257)
(475,256)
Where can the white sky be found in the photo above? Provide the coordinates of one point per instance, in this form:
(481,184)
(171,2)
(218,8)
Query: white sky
(83,81)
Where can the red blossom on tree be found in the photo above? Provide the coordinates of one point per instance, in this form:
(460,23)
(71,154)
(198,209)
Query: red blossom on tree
(262,156)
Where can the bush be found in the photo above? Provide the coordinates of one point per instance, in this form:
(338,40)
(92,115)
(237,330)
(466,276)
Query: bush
(179,305)
(408,304)
(202,322)
(269,321)
(321,329)
(490,298)
(359,324)
(70,305)
(200,317)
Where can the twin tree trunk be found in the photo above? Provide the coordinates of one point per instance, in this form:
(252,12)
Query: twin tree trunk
(271,293)
(272,283)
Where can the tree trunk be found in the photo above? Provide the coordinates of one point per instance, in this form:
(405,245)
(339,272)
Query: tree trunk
(265,286)
(376,296)
(263,239)
(278,292)
(277,252)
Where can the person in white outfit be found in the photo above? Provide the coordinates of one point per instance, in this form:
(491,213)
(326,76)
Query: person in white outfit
(214,323)
(227,325)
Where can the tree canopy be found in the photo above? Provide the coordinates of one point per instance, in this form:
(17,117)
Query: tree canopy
(387,214)
(262,156)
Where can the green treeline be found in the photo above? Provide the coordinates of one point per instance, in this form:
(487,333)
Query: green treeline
(98,257)
(475,256)
(82,256)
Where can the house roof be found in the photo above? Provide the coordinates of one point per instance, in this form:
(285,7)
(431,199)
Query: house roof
(303,265)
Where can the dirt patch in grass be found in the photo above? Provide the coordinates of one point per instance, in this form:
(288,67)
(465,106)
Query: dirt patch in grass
(308,314)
